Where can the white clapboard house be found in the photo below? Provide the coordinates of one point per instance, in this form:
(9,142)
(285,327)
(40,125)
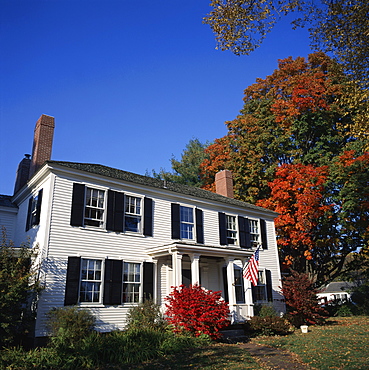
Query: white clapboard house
(108,238)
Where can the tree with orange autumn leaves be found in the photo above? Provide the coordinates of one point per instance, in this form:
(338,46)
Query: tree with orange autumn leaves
(291,150)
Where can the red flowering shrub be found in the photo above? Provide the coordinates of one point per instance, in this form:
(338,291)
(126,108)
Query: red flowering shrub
(301,300)
(197,310)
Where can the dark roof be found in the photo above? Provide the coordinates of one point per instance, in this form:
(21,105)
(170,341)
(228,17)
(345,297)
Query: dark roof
(338,286)
(99,169)
(6,201)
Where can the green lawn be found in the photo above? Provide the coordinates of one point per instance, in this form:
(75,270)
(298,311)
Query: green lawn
(217,356)
(343,343)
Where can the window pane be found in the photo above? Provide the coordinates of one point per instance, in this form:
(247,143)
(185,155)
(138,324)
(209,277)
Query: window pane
(131,282)
(187,223)
(132,223)
(90,280)
(231,229)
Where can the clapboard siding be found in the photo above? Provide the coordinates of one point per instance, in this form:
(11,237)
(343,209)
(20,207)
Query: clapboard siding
(8,218)
(58,240)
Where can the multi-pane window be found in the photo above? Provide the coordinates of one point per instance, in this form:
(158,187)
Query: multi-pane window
(133,211)
(94,207)
(231,229)
(91,275)
(131,282)
(34,209)
(33,212)
(261,289)
(254,232)
(187,222)
(238,284)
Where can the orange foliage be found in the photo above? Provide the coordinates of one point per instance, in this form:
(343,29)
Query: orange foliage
(218,158)
(297,193)
(298,86)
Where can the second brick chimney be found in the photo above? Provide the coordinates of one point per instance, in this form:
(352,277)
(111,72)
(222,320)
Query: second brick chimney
(42,142)
(224,183)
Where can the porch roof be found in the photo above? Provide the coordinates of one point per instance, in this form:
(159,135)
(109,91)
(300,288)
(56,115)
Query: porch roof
(202,250)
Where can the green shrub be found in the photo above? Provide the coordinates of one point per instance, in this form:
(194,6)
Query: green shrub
(268,325)
(69,326)
(266,311)
(146,315)
(101,351)
(360,296)
(19,289)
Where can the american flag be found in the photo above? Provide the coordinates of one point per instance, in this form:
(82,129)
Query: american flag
(251,270)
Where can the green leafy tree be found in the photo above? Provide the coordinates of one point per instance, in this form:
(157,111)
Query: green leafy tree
(18,291)
(187,170)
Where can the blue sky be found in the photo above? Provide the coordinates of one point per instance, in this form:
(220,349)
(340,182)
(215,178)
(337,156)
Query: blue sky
(128,82)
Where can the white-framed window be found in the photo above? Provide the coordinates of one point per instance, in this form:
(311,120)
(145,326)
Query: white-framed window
(238,284)
(254,232)
(133,214)
(231,227)
(94,207)
(186,222)
(131,282)
(261,289)
(33,212)
(91,280)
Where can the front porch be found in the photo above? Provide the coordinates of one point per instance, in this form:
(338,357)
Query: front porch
(214,268)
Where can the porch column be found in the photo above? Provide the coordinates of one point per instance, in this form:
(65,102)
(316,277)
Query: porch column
(195,269)
(177,268)
(248,292)
(230,281)
(155,282)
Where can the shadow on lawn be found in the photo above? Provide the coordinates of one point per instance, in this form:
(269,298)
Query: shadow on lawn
(217,356)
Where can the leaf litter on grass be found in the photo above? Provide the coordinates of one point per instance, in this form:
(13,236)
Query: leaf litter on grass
(342,344)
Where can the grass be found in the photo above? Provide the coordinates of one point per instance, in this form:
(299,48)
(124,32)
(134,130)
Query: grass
(343,343)
(216,356)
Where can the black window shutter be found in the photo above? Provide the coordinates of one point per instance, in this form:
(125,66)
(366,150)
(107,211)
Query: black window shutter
(264,239)
(110,210)
(269,287)
(148,280)
(113,282)
(148,217)
(115,211)
(244,230)
(225,284)
(78,205)
(176,232)
(30,203)
(38,207)
(199,226)
(222,228)
(253,293)
(72,281)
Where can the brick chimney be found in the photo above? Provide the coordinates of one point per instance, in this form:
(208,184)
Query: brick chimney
(224,183)
(42,142)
